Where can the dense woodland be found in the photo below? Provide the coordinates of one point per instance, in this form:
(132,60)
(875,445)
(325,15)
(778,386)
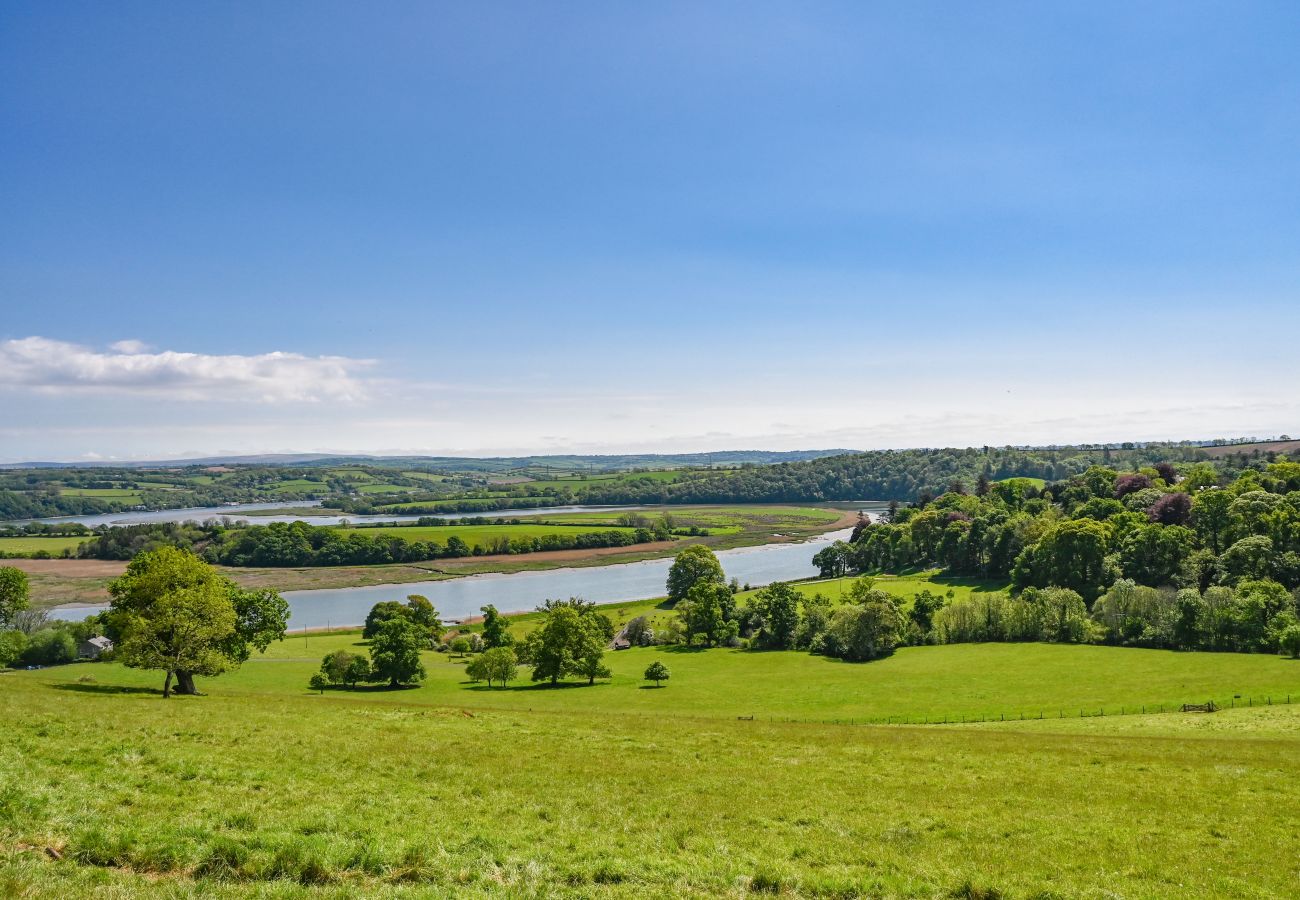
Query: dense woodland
(881,475)
(1168,556)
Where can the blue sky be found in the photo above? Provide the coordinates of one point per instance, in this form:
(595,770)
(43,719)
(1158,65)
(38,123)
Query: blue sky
(508,227)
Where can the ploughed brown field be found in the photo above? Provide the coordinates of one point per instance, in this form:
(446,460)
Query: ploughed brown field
(1262,447)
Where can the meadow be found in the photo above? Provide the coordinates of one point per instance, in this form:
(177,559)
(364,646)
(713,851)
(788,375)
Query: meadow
(477,535)
(124,495)
(955,681)
(261,787)
(293,486)
(714,516)
(26,546)
(381,487)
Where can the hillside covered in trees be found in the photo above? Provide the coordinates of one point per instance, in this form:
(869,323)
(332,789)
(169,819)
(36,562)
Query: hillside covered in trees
(1168,556)
(880,475)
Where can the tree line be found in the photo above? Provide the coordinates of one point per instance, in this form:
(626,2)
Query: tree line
(877,475)
(1195,558)
(300,544)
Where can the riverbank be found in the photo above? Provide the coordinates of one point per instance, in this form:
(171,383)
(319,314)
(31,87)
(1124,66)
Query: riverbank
(84,582)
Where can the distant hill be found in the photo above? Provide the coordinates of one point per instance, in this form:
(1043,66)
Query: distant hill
(569,462)
(266,459)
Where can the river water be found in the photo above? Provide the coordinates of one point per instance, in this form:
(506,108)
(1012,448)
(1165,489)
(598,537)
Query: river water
(240,512)
(460,597)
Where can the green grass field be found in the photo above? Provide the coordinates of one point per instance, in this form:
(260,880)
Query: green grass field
(378,487)
(477,535)
(713,516)
(448,505)
(1039,483)
(25,546)
(619,791)
(298,486)
(425,476)
(125,495)
(955,681)
(902,586)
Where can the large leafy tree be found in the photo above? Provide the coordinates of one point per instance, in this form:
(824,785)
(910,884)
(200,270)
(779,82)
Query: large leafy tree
(777,608)
(1071,554)
(395,652)
(172,611)
(694,565)
(342,667)
(13,593)
(571,641)
(833,560)
(1212,519)
(417,610)
(497,664)
(708,612)
(422,613)
(657,672)
(866,630)
(381,612)
(496,631)
(1154,554)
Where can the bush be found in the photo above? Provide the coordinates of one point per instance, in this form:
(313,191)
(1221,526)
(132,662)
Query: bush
(50,647)
(862,632)
(1289,641)
(12,645)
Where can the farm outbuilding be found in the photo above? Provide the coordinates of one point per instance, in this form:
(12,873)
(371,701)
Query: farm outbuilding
(94,647)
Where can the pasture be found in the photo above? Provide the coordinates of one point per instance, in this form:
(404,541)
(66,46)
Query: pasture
(476,535)
(262,787)
(1026,480)
(379,487)
(956,682)
(298,486)
(27,546)
(123,495)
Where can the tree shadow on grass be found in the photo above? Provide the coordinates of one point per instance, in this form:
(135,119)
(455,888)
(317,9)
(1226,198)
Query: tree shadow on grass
(367,689)
(535,687)
(105,688)
(652,687)
(976,585)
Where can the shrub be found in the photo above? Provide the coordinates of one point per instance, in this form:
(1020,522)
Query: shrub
(12,645)
(50,647)
(866,631)
(1289,641)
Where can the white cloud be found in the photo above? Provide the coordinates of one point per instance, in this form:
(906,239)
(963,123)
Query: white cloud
(58,367)
(131,345)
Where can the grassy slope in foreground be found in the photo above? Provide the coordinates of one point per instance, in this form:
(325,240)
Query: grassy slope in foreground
(407,801)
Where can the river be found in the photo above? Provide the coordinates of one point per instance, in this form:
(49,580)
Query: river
(244,512)
(457,598)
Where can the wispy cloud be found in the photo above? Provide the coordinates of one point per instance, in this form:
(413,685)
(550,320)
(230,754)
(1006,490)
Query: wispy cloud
(52,366)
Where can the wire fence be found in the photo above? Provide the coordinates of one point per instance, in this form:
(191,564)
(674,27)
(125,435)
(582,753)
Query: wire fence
(1206,706)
